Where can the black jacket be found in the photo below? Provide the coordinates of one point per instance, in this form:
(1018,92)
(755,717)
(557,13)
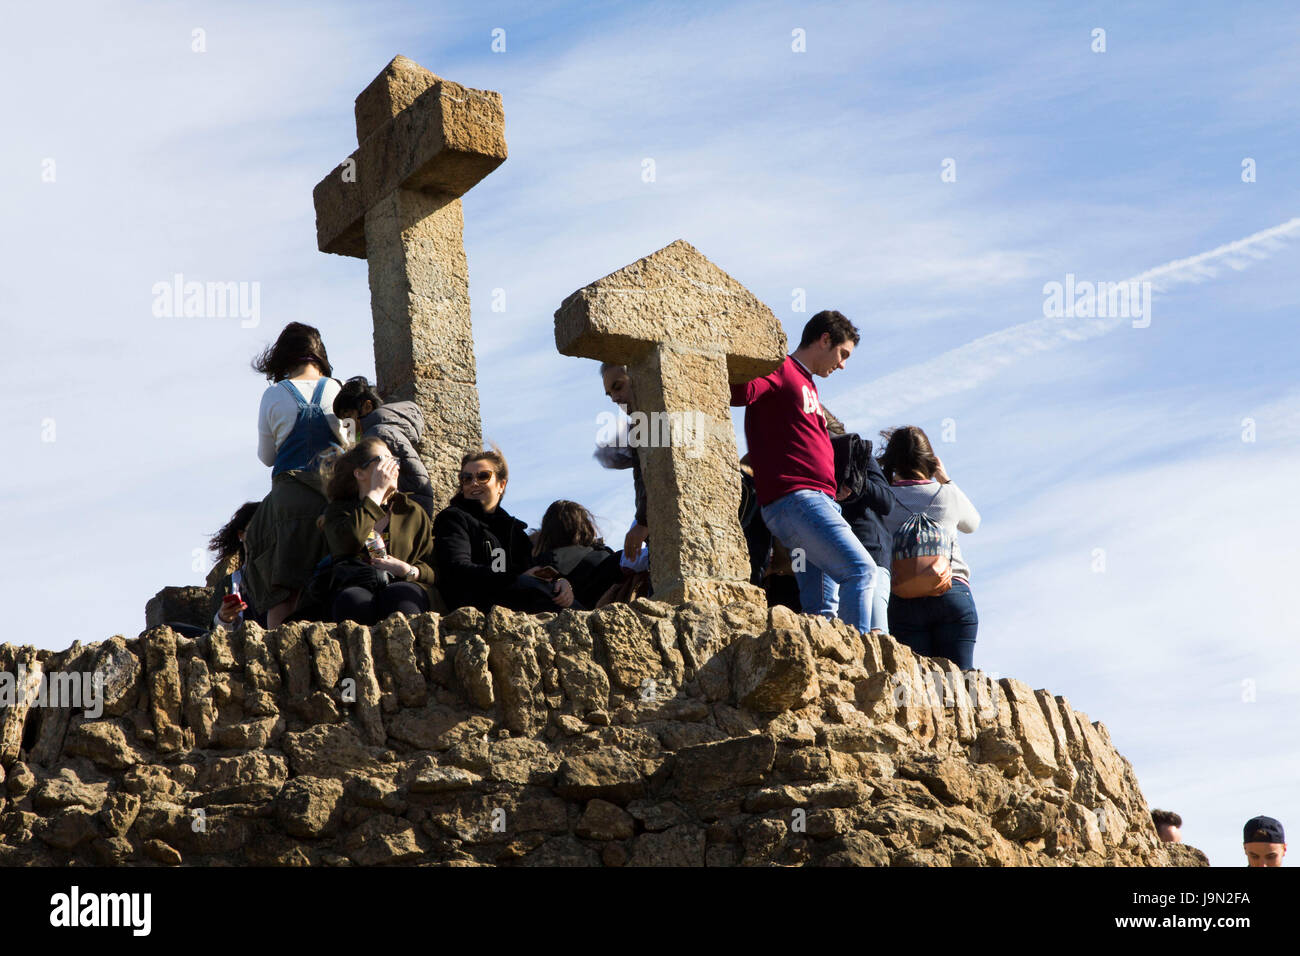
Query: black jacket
(591,571)
(466,540)
(869,498)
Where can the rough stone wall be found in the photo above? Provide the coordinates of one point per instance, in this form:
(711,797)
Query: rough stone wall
(634,735)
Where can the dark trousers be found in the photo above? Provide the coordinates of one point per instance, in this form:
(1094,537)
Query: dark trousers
(358,604)
(530,595)
(942,626)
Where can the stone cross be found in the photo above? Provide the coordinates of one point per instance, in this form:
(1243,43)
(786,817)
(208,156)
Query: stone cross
(395,202)
(685,330)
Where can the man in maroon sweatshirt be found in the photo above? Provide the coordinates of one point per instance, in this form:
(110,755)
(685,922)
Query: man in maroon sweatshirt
(794,473)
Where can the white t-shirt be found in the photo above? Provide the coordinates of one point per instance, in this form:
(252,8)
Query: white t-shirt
(279,412)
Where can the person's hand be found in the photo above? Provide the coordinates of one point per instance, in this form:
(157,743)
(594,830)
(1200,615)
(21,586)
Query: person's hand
(636,537)
(378,480)
(397,568)
(232,605)
(842,492)
(563,595)
(940,474)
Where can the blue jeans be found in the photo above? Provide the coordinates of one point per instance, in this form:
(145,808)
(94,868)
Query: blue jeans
(880,600)
(942,626)
(834,563)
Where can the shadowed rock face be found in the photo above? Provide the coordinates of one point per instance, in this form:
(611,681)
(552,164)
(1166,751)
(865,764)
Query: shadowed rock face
(634,735)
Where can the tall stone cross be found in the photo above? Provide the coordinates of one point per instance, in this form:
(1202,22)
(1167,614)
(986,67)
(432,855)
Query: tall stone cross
(395,202)
(685,330)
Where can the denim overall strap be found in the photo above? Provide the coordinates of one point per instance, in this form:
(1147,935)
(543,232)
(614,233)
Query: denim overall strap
(310,436)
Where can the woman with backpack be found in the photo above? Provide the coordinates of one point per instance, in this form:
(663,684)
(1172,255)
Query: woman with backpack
(570,543)
(380,541)
(931,608)
(283,543)
(399,424)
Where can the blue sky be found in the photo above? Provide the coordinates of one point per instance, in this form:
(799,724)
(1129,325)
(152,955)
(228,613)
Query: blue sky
(818,171)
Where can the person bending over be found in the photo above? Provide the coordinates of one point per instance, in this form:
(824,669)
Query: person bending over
(399,424)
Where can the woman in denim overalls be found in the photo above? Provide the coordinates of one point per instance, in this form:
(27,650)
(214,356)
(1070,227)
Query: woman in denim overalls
(283,541)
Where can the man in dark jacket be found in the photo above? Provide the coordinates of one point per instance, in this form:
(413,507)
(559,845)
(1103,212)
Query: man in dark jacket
(618,386)
(399,424)
(865,500)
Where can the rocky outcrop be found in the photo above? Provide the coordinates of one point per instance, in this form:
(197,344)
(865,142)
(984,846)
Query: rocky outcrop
(635,735)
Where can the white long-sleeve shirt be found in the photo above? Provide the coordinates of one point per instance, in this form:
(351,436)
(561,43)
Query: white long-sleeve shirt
(279,412)
(951,508)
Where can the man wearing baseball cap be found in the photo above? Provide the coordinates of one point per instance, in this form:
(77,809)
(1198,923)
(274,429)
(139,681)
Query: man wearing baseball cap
(1265,842)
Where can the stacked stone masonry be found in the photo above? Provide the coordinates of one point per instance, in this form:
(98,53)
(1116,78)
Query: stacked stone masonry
(634,735)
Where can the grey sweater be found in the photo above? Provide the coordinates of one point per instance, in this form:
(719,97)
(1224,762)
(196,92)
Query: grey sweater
(401,426)
(951,508)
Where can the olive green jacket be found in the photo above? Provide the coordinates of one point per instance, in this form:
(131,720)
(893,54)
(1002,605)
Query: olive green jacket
(409,535)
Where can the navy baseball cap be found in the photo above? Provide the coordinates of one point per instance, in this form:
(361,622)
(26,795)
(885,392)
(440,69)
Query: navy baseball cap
(1263,830)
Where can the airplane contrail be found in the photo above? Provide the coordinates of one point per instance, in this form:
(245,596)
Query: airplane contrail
(974,363)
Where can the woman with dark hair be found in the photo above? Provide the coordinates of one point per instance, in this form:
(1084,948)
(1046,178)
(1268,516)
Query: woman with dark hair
(570,542)
(399,424)
(483,554)
(294,427)
(227,576)
(941,621)
(380,541)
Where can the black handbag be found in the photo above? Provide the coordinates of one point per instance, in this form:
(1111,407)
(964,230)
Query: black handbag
(332,577)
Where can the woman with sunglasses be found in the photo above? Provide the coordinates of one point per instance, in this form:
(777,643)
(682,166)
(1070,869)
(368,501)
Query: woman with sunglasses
(380,540)
(482,553)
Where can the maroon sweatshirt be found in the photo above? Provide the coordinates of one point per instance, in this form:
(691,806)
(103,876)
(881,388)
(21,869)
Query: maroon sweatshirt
(789,446)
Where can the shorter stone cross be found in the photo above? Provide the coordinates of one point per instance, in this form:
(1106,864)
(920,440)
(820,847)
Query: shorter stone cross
(685,330)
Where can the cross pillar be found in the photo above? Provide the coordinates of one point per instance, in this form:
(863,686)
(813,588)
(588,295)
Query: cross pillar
(686,330)
(423,142)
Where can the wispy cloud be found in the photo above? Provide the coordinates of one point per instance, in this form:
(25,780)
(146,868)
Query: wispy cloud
(982,360)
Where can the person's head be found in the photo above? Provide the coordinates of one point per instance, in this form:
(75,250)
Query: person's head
(483,476)
(566,523)
(1264,842)
(298,345)
(355,400)
(343,474)
(828,340)
(618,386)
(907,454)
(230,538)
(1169,826)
